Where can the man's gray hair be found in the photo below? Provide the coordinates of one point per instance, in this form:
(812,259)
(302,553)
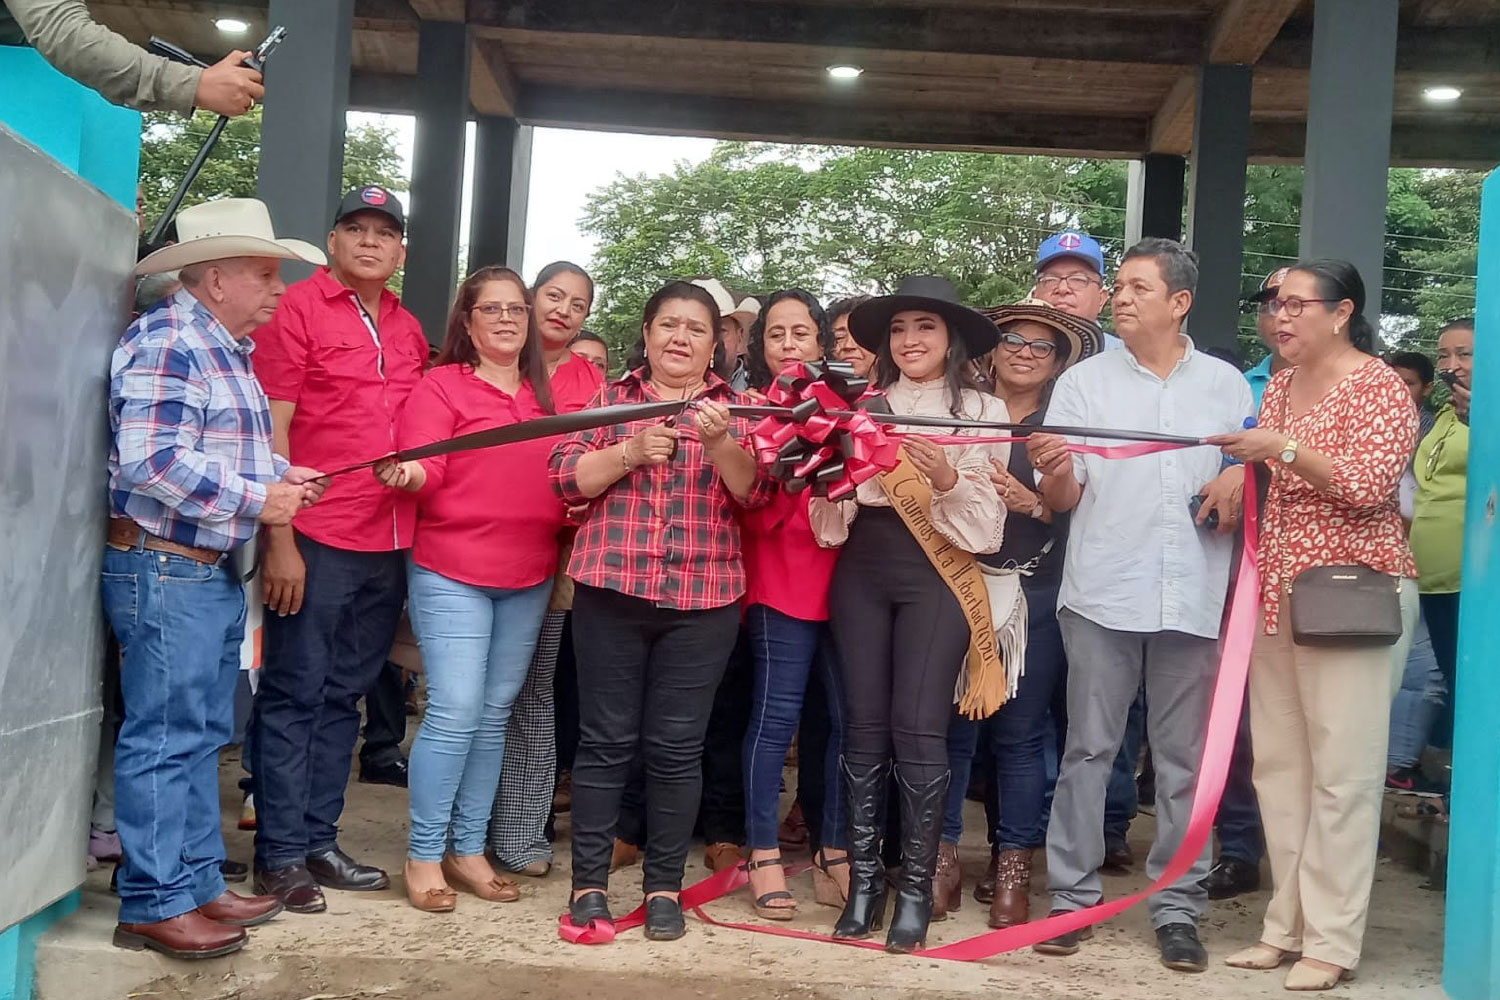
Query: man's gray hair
(1179,265)
(153,288)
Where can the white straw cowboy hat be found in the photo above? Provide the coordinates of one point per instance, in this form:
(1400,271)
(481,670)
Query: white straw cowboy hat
(229,227)
(747,309)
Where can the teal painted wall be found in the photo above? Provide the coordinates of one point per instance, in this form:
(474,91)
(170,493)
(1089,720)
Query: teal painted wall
(18,948)
(1471,960)
(81,130)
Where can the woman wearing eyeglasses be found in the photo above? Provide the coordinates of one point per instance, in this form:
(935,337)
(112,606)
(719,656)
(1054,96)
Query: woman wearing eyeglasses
(1037,342)
(481,570)
(563,296)
(1336,430)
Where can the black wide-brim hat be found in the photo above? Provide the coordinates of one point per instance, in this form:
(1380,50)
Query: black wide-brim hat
(870,322)
(1084,338)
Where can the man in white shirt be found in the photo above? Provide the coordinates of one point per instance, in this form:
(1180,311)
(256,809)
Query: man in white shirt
(1143,582)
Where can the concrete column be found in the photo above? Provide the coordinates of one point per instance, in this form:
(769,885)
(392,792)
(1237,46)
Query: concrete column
(1349,137)
(502,179)
(437,173)
(1216,201)
(302,138)
(1153,202)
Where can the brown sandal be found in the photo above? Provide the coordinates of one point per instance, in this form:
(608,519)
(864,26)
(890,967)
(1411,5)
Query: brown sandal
(442,900)
(497,889)
(762,903)
(825,887)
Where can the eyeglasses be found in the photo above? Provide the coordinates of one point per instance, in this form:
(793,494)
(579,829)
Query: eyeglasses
(494,310)
(1292,306)
(1015,343)
(1077,281)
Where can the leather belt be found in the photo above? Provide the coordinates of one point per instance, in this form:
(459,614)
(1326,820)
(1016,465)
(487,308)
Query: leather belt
(125,534)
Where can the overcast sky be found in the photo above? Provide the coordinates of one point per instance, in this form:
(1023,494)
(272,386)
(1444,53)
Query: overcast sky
(566,166)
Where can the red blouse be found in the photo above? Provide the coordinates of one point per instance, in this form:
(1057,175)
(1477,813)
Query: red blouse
(1367,426)
(785,567)
(576,384)
(488,517)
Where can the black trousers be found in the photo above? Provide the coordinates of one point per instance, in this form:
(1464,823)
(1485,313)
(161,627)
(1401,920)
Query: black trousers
(721,817)
(902,639)
(385,719)
(565,699)
(812,747)
(647,677)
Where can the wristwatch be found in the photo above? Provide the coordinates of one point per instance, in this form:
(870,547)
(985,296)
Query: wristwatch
(1288,452)
(1040,510)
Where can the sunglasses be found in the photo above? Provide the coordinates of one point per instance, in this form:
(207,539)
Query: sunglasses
(1016,343)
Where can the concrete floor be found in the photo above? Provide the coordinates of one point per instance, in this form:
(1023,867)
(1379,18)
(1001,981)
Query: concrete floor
(375,945)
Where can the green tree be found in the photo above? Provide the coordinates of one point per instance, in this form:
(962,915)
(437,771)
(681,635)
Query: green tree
(169,143)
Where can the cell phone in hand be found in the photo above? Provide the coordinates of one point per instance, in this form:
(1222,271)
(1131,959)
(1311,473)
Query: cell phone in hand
(1196,504)
(1448,377)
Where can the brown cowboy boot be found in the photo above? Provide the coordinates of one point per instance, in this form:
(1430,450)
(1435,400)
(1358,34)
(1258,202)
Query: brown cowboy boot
(947,882)
(1012,903)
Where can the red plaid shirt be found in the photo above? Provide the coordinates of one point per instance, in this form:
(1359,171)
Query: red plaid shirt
(667,534)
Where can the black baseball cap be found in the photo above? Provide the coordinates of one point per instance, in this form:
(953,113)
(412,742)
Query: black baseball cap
(372,198)
(1269,286)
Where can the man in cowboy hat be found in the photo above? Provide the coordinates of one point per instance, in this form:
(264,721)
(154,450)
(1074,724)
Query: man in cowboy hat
(192,475)
(735,317)
(1143,585)
(338,361)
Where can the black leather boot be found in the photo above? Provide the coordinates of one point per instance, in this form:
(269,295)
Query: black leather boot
(921,828)
(864,911)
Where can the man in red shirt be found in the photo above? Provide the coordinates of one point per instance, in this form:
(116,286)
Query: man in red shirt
(337,360)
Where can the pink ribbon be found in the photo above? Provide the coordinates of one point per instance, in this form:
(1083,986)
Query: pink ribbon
(1218,747)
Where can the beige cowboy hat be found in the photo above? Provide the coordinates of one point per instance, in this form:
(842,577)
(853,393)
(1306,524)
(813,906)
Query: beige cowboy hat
(745,311)
(229,227)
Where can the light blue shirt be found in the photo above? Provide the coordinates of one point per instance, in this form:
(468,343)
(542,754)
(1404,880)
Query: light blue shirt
(1136,561)
(1259,377)
(1111,342)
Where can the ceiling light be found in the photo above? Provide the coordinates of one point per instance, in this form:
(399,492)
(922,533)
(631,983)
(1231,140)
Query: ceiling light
(231,25)
(845,71)
(1442,95)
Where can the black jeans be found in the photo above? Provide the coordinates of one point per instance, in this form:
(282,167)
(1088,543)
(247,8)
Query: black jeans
(385,719)
(318,664)
(902,638)
(721,817)
(812,746)
(1441,613)
(565,699)
(646,682)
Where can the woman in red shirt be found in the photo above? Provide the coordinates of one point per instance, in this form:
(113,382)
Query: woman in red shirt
(481,572)
(562,296)
(788,574)
(658,580)
(1337,429)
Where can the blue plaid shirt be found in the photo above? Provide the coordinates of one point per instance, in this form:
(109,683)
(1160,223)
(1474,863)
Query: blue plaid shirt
(191,429)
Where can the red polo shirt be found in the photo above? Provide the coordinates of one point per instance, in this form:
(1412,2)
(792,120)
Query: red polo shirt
(318,352)
(488,517)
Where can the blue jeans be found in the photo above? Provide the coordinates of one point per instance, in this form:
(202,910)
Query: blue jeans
(1121,797)
(1016,736)
(785,650)
(476,649)
(318,664)
(179,623)
(1415,709)
(1238,819)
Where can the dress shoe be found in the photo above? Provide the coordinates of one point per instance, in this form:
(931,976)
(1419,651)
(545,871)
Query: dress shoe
(439,900)
(390,773)
(1230,877)
(1012,903)
(1063,944)
(188,935)
(247,814)
(721,855)
(664,920)
(1180,948)
(1117,858)
(592,905)
(1304,977)
(234,871)
(562,793)
(334,869)
(984,892)
(947,882)
(492,887)
(241,911)
(624,855)
(294,886)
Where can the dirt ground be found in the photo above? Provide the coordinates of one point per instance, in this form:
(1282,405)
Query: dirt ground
(376,946)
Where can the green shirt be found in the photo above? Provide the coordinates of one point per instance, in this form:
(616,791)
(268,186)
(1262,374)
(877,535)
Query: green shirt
(1437,527)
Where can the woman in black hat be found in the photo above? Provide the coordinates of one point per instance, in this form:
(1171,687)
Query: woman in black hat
(901,632)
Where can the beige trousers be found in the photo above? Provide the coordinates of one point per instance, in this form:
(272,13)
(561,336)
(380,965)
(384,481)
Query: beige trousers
(1319,724)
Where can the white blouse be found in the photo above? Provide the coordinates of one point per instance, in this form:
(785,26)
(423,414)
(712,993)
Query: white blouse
(971,515)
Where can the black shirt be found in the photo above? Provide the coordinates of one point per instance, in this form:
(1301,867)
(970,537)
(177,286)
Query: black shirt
(1025,536)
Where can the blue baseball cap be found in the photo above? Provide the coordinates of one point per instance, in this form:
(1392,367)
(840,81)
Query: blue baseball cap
(1071,243)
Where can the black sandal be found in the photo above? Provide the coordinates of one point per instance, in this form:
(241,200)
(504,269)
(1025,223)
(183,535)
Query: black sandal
(761,903)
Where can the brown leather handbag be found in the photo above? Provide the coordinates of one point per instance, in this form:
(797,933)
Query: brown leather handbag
(1345,606)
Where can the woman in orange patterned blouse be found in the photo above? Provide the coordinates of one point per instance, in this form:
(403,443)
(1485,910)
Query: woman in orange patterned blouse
(1336,430)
